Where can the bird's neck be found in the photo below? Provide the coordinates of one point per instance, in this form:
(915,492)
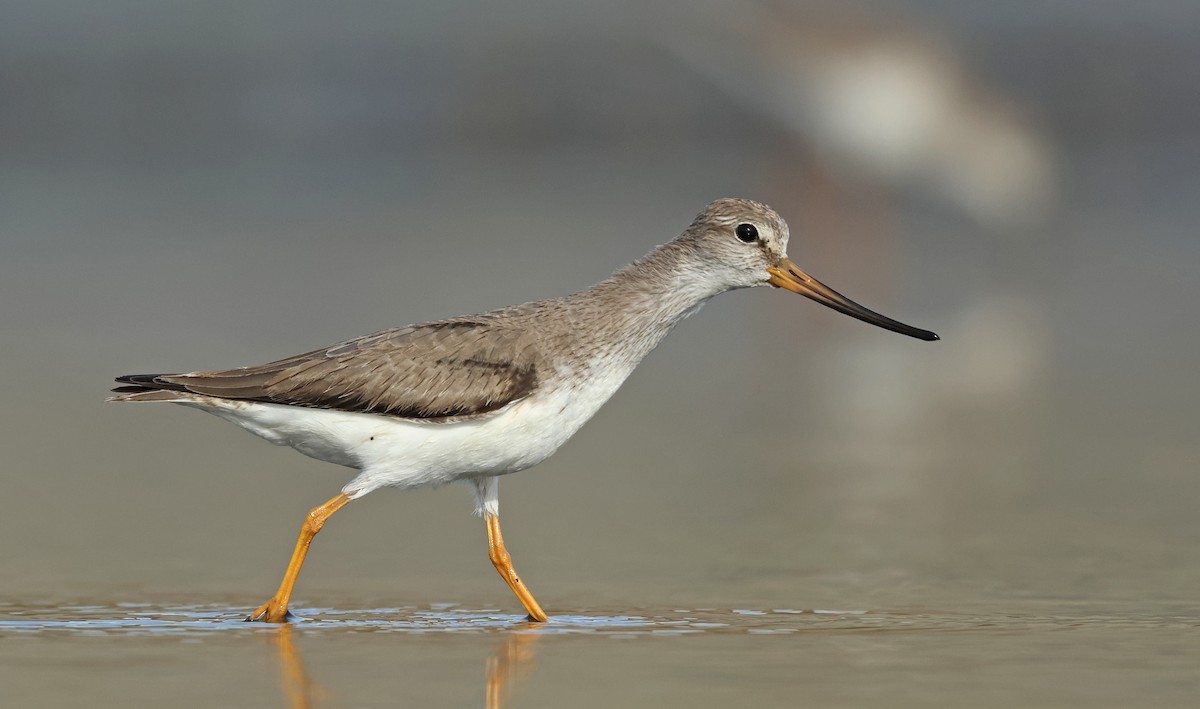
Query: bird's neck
(636,307)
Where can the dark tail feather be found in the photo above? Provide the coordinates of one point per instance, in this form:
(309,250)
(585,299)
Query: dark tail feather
(135,383)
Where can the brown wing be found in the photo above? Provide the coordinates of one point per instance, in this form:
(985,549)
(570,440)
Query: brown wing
(433,371)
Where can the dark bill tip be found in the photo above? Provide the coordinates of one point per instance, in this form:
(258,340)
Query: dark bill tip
(789,277)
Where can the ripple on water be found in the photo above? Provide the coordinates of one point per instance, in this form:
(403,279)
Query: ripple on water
(137,618)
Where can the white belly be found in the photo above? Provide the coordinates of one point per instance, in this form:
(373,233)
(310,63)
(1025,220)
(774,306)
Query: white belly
(395,452)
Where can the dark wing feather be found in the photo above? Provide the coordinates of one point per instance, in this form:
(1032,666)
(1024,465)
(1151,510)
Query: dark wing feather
(439,370)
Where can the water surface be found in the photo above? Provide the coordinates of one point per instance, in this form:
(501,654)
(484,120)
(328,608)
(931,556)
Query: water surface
(205,655)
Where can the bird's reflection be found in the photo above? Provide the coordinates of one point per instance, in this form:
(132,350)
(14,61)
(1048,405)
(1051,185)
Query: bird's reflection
(510,663)
(505,668)
(299,690)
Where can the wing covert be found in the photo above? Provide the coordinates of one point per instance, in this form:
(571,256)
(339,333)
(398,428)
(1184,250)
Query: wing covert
(454,368)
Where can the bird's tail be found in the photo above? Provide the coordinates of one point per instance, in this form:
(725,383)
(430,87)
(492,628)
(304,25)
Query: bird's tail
(148,387)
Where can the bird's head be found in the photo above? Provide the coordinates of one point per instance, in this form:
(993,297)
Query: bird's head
(744,243)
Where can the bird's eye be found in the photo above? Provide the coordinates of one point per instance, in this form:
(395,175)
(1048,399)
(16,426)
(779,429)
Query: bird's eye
(746,232)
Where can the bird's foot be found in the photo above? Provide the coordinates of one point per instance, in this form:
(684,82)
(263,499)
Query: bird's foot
(272,612)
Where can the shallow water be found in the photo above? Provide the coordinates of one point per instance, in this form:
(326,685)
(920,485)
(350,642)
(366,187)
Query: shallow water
(135,654)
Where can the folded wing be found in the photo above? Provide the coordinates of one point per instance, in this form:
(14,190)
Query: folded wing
(454,368)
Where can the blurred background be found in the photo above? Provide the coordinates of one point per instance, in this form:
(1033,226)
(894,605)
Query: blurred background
(201,185)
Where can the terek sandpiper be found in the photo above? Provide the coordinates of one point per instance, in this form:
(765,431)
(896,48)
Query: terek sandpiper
(480,396)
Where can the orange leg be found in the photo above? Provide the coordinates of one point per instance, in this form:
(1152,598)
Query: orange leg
(503,563)
(276,609)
